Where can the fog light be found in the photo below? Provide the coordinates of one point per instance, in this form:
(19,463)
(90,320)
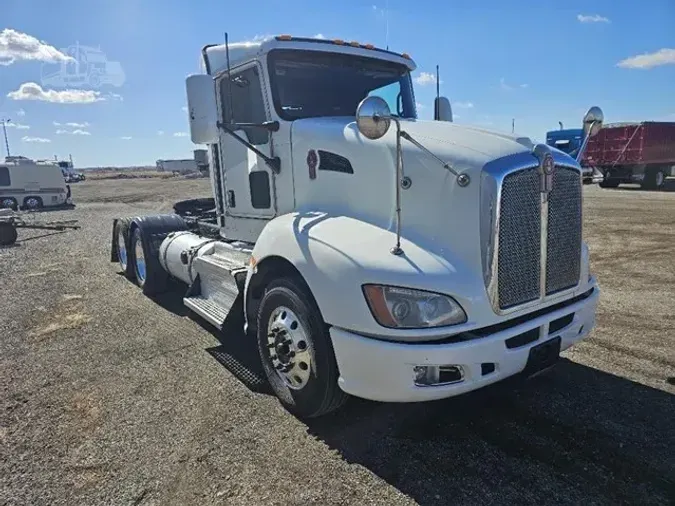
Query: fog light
(437,375)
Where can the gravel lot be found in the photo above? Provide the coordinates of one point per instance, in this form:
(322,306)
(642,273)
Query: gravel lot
(108,397)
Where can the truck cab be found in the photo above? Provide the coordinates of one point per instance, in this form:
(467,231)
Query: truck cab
(570,141)
(377,255)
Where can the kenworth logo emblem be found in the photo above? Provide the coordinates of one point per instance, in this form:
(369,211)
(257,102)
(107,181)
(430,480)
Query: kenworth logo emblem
(546,166)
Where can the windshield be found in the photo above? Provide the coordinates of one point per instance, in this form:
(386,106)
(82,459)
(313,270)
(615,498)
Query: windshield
(308,84)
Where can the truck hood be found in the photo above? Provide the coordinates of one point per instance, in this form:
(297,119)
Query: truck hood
(465,145)
(435,210)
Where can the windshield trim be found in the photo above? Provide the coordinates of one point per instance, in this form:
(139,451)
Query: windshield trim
(274,90)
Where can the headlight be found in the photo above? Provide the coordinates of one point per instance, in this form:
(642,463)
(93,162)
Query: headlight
(395,307)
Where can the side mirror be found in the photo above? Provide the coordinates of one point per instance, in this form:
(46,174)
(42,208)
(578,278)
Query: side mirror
(442,109)
(593,121)
(202,108)
(373,117)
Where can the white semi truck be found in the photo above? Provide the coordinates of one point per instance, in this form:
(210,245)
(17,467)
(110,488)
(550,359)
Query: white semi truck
(376,255)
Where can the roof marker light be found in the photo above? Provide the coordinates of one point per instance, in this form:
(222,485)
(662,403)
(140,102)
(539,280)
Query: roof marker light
(354,43)
(368,46)
(406,56)
(338,41)
(284,37)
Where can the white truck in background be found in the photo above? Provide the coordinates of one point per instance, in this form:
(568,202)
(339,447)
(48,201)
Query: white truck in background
(31,185)
(184,166)
(376,255)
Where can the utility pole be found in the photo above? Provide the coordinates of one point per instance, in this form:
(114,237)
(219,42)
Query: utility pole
(4,122)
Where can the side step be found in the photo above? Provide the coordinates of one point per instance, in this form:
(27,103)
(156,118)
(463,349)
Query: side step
(212,312)
(219,281)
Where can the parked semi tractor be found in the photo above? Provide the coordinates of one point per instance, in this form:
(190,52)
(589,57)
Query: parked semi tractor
(570,140)
(374,254)
(634,153)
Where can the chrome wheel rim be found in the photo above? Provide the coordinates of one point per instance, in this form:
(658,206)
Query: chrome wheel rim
(9,203)
(289,346)
(32,203)
(122,250)
(139,256)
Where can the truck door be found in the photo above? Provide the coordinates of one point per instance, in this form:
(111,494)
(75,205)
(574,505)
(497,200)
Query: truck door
(248,179)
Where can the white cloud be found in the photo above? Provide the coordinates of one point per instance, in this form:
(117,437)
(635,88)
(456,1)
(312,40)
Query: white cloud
(35,139)
(18,126)
(420,105)
(260,38)
(20,113)
(665,56)
(592,18)
(126,138)
(319,36)
(17,46)
(463,105)
(180,134)
(33,91)
(505,86)
(78,125)
(184,108)
(426,78)
(160,132)
(112,96)
(77,131)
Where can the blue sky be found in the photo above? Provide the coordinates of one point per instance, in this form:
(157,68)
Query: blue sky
(539,62)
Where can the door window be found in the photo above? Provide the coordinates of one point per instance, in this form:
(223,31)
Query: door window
(247,103)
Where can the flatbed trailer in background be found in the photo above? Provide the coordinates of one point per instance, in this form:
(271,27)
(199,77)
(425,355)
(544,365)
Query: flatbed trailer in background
(634,153)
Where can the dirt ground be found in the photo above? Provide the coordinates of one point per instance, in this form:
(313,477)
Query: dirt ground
(108,397)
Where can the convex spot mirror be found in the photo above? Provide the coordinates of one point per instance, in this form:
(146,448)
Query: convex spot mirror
(373,117)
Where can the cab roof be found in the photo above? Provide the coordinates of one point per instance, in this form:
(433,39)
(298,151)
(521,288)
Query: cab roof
(242,52)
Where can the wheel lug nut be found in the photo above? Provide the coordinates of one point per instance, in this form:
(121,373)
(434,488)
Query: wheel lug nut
(291,354)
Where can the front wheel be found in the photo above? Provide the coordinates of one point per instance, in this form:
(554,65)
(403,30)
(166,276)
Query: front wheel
(296,351)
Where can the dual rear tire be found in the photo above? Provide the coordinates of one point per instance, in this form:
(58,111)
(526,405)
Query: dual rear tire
(137,243)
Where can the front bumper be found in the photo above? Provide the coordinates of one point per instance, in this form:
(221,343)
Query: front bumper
(383,371)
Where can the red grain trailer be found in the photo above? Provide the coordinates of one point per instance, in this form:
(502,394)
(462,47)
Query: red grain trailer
(633,153)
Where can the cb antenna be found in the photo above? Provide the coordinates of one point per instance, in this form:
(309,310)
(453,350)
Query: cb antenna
(386,21)
(229,78)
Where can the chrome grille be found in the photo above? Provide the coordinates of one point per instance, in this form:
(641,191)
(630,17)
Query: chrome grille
(563,261)
(518,271)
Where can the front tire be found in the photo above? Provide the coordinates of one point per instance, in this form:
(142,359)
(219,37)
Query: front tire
(296,350)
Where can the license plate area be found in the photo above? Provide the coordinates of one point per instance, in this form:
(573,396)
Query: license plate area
(543,356)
